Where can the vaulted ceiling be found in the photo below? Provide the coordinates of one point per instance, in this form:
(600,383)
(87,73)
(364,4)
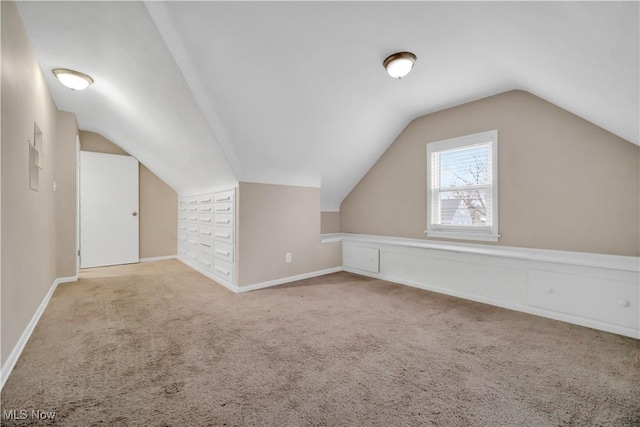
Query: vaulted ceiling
(207,94)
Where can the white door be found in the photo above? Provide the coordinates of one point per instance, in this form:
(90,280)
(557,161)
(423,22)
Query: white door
(108,209)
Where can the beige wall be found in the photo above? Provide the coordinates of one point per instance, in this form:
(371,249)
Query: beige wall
(274,220)
(564,183)
(30,254)
(158,202)
(329,222)
(158,216)
(65,195)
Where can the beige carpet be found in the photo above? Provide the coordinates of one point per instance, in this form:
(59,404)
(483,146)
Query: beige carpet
(158,344)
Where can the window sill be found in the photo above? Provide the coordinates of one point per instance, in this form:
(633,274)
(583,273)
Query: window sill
(463,236)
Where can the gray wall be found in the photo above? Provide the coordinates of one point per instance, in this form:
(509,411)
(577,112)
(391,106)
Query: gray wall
(564,183)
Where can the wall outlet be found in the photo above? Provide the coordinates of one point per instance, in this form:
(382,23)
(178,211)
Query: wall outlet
(287,257)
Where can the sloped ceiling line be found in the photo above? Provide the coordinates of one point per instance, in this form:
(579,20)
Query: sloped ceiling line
(162,19)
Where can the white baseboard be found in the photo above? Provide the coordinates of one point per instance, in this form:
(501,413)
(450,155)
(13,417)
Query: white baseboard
(157,258)
(289,279)
(208,274)
(261,285)
(5,371)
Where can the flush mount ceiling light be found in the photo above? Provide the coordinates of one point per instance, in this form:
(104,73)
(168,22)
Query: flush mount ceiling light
(399,64)
(74,80)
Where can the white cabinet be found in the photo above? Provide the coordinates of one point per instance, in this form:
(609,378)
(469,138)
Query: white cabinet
(206,234)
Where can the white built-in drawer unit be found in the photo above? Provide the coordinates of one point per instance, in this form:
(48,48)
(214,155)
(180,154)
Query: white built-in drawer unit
(206,234)
(594,290)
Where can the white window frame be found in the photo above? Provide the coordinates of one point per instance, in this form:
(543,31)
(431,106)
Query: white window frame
(488,234)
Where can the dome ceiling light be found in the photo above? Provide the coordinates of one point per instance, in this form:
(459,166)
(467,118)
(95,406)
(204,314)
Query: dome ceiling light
(74,80)
(399,64)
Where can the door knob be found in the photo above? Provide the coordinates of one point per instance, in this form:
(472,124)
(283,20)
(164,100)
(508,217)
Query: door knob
(134,213)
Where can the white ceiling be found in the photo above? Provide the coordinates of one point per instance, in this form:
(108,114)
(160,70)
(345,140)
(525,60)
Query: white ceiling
(209,93)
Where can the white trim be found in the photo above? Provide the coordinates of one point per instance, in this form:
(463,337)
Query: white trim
(584,259)
(288,279)
(433,190)
(157,258)
(463,235)
(26,334)
(331,237)
(590,323)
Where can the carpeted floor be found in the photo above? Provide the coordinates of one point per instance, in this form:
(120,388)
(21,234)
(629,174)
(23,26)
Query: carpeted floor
(158,344)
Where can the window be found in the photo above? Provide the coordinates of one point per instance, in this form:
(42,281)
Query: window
(462,187)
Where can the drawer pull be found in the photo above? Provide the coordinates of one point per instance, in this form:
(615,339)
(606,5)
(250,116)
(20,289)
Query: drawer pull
(193,243)
(183,239)
(193,209)
(206,209)
(193,230)
(548,289)
(205,200)
(204,244)
(224,199)
(225,236)
(225,253)
(222,270)
(205,233)
(206,220)
(193,257)
(182,251)
(183,209)
(208,264)
(226,221)
(227,209)
(623,303)
(183,217)
(183,227)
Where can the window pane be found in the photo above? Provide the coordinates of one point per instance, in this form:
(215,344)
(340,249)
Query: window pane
(466,166)
(465,207)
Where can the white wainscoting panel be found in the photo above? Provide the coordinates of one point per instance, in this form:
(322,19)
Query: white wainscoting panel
(598,291)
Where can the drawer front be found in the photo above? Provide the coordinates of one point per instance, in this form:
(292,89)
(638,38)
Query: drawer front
(223,269)
(225,196)
(182,251)
(206,219)
(182,241)
(366,259)
(223,220)
(192,255)
(207,198)
(224,235)
(206,232)
(226,207)
(192,229)
(223,251)
(206,245)
(192,241)
(610,301)
(208,208)
(205,261)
